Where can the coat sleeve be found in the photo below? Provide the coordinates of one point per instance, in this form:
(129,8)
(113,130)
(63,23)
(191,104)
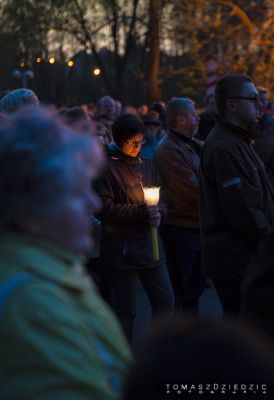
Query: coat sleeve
(113,211)
(239,193)
(60,356)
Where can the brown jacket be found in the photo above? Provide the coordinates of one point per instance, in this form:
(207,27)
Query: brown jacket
(236,201)
(177,164)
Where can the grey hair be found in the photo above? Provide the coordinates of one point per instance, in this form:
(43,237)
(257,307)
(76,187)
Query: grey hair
(16,98)
(177,107)
(38,158)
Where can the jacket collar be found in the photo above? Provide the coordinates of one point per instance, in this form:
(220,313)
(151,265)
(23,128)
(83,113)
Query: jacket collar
(114,152)
(43,259)
(248,135)
(180,136)
(192,143)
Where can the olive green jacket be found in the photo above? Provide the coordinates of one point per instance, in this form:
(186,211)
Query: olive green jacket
(58,340)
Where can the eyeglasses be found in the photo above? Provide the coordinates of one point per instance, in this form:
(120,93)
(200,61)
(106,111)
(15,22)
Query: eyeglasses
(135,143)
(256,99)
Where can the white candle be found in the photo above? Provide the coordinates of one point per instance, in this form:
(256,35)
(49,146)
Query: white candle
(151,195)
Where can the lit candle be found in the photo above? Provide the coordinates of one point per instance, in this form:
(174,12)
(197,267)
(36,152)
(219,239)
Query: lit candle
(151,196)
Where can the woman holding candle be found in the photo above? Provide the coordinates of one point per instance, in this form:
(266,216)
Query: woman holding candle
(126,245)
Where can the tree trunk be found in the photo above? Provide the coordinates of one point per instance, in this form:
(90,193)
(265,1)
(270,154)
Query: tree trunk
(154,90)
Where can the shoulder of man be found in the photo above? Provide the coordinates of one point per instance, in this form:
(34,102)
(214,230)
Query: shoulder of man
(221,137)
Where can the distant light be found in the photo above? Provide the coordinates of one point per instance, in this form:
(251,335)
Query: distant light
(70,63)
(22,64)
(96,71)
(38,59)
(52,60)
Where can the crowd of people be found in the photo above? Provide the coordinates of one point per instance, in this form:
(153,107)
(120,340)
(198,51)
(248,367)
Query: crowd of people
(76,242)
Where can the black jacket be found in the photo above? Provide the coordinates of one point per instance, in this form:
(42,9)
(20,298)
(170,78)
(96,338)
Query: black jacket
(236,201)
(264,145)
(126,238)
(258,288)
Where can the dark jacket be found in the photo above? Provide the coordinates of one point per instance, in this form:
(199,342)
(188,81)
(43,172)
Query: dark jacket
(236,201)
(206,123)
(126,237)
(258,288)
(264,144)
(177,164)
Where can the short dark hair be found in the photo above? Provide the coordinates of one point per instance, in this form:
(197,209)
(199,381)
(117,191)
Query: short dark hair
(125,127)
(176,107)
(227,87)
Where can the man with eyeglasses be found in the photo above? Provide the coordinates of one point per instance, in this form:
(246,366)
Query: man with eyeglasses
(235,194)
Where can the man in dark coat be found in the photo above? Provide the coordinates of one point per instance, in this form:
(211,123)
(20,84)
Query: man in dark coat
(236,197)
(177,163)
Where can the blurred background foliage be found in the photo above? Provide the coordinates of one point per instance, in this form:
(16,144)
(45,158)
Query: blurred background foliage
(145,49)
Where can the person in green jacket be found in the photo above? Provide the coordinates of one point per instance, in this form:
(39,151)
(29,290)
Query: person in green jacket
(58,339)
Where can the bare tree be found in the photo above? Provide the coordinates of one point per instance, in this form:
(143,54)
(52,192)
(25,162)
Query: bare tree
(154,35)
(238,35)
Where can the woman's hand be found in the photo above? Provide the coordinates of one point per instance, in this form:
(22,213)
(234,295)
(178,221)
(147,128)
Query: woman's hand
(154,216)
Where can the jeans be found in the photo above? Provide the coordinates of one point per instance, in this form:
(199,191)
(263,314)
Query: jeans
(183,253)
(156,284)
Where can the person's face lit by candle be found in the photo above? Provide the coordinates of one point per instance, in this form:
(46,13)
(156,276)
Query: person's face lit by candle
(132,146)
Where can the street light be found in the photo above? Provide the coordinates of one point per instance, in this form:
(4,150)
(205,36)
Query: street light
(52,60)
(96,71)
(38,59)
(70,63)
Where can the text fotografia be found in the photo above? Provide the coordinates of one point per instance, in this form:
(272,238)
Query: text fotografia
(216,388)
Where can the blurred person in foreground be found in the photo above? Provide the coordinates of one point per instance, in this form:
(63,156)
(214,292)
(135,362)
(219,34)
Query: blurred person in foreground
(235,195)
(18,98)
(197,359)
(126,247)
(58,340)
